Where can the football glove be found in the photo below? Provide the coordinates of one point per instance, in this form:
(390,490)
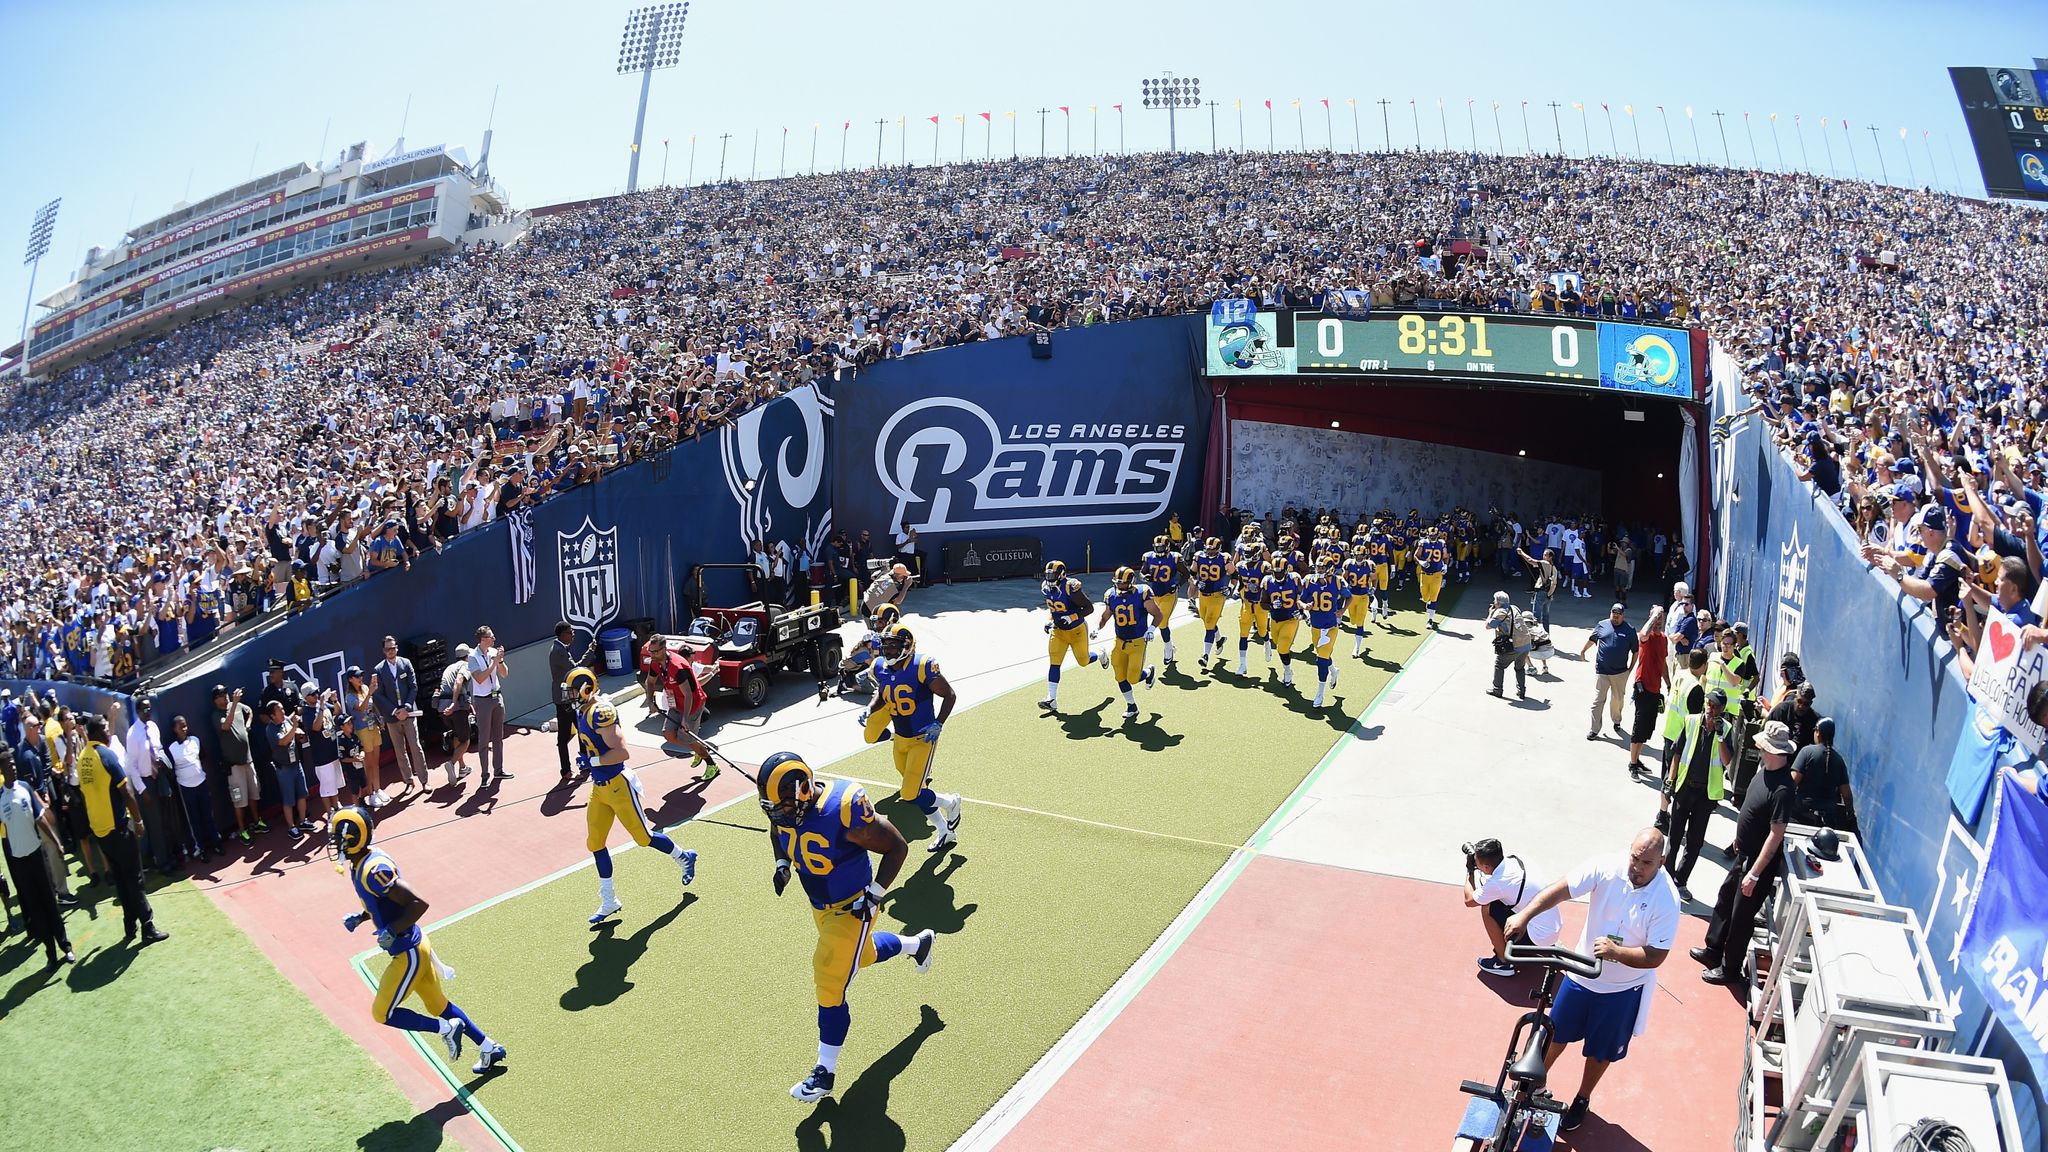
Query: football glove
(354,920)
(781,876)
(583,763)
(870,900)
(931,734)
(1048,627)
(385,940)
(1151,634)
(862,718)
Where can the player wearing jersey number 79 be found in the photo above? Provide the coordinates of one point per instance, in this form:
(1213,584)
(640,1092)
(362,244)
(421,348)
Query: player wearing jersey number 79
(1136,615)
(823,832)
(614,789)
(914,700)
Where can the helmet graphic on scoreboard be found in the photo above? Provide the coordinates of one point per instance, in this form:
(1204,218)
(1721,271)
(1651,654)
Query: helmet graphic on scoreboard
(1247,347)
(1650,359)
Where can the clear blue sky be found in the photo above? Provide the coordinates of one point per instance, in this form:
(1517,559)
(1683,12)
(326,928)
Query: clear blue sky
(121,107)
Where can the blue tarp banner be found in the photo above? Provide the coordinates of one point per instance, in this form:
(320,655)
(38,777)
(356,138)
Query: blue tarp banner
(1089,450)
(2005,946)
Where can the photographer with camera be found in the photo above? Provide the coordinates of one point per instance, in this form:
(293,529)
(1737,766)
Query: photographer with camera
(890,586)
(1499,886)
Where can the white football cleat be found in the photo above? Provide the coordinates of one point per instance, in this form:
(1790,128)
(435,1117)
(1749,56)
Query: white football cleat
(488,1057)
(451,1037)
(921,950)
(607,907)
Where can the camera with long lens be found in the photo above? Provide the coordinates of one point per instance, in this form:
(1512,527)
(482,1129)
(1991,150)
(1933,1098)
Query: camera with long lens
(1473,848)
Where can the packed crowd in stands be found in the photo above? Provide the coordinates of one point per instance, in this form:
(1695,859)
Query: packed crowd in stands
(254,460)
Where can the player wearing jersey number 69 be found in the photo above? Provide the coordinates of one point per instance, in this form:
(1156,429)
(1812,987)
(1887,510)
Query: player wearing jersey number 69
(823,831)
(914,700)
(1135,614)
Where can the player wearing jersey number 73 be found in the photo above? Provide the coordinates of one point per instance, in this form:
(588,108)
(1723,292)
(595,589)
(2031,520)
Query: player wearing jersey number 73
(823,831)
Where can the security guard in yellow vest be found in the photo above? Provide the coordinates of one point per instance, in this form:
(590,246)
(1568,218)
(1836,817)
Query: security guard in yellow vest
(1748,675)
(1688,695)
(1694,785)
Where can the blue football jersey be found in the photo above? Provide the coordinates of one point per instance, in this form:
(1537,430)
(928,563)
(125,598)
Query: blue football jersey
(375,876)
(1127,612)
(1325,598)
(1061,598)
(1207,573)
(1161,571)
(831,867)
(1283,596)
(906,693)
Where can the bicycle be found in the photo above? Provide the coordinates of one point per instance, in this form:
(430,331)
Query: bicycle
(1517,1113)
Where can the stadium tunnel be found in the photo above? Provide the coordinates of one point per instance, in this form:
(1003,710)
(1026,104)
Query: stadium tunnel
(1525,450)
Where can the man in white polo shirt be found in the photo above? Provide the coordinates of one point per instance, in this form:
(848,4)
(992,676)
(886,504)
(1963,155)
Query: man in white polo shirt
(1631,924)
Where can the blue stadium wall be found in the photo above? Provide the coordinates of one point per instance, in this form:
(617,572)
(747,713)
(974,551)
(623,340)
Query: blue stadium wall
(1088,449)
(1785,562)
(613,550)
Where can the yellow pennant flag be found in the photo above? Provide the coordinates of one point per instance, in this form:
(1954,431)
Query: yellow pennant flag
(1297,102)
(1578,107)
(1237,104)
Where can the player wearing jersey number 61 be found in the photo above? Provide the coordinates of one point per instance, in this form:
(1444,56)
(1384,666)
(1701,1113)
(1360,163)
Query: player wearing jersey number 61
(1136,614)
(823,831)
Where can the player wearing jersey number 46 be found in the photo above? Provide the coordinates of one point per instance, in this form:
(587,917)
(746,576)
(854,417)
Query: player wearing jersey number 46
(614,790)
(914,700)
(393,909)
(823,832)
(1137,616)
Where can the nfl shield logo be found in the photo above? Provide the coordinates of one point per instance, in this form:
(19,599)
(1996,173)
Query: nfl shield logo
(1789,625)
(590,574)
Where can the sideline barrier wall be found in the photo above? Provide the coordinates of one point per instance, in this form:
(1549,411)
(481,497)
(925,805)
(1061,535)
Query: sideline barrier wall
(612,550)
(117,707)
(1789,565)
(1088,450)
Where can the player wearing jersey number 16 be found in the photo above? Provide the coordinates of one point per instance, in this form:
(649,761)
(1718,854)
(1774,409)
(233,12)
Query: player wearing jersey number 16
(914,700)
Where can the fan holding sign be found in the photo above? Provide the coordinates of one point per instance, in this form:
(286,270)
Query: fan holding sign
(2011,697)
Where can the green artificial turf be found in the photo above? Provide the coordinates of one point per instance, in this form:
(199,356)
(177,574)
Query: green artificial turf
(683,1024)
(196,1043)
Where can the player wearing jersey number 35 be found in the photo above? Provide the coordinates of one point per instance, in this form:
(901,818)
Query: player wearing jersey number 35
(823,831)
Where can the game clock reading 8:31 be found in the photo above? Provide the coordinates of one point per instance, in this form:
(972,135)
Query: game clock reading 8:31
(1452,344)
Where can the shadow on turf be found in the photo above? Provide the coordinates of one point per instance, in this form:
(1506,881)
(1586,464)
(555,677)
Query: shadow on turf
(422,1132)
(924,899)
(602,979)
(859,1115)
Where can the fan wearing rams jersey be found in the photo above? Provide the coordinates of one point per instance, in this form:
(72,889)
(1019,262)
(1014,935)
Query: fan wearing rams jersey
(914,700)
(1135,616)
(1432,560)
(1161,571)
(1362,582)
(823,832)
(1252,618)
(412,970)
(1209,574)
(1325,595)
(1282,592)
(614,790)
(1067,630)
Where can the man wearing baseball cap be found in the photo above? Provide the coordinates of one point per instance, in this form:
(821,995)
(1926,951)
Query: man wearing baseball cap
(1759,830)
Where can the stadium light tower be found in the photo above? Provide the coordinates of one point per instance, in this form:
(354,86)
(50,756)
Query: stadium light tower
(40,230)
(1170,92)
(653,39)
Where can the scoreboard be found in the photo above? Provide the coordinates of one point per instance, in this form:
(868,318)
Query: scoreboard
(1465,347)
(2006,110)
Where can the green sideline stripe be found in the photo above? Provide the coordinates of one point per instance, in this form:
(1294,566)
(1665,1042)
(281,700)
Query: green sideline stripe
(447,1074)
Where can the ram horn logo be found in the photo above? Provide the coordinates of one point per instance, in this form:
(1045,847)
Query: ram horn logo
(951,468)
(590,574)
(775,467)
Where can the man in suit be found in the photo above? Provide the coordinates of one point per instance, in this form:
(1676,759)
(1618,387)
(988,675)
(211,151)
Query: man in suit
(396,696)
(562,658)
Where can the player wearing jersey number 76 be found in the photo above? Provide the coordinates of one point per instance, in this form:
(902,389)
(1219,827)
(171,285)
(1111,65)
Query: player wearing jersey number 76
(823,831)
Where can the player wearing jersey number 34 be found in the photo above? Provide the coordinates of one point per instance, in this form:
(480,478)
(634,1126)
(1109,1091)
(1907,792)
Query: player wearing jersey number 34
(823,832)
(914,700)
(614,789)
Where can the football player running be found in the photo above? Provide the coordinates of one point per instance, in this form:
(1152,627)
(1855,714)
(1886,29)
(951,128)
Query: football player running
(1326,594)
(824,832)
(614,790)
(1249,570)
(1209,574)
(1431,562)
(1067,631)
(1362,583)
(392,908)
(1161,571)
(914,699)
(1283,603)
(1135,613)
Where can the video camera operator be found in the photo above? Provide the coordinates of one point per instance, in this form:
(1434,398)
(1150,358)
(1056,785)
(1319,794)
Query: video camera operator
(890,586)
(1499,886)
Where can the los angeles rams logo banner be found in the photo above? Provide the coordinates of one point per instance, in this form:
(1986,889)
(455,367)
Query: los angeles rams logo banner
(2005,944)
(1090,450)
